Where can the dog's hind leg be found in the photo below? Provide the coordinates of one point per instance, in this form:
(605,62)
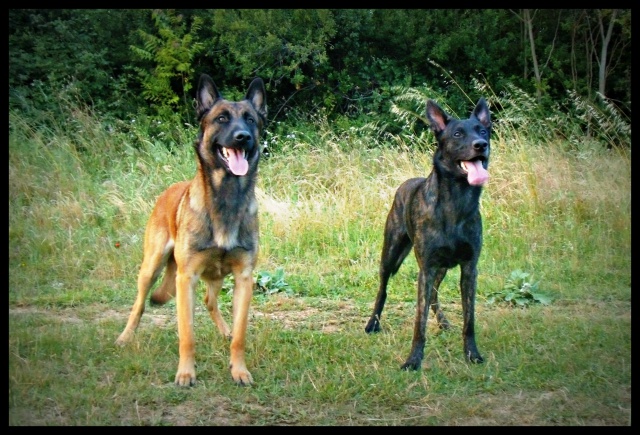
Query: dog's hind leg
(443,323)
(155,258)
(468,279)
(396,247)
(211,301)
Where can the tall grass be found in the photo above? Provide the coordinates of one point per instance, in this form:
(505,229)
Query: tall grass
(81,189)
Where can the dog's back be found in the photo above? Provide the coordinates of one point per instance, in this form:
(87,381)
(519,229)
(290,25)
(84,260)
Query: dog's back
(439,216)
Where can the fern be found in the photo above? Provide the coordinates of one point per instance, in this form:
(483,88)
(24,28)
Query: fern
(172,50)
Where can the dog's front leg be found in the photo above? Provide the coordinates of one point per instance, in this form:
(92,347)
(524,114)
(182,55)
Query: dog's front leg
(425,285)
(468,279)
(242,294)
(149,271)
(185,284)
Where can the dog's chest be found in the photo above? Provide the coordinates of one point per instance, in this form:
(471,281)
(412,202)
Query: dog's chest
(448,242)
(225,234)
(222,228)
(217,263)
(458,244)
(237,229)
(451,252)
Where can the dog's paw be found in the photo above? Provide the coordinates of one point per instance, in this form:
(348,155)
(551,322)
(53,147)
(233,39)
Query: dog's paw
(186,377)
(241,377)
(124,338)
(444,324)
(471,352)
(475,358)
(411,364)
(372,326)
(185,380)
(414,360)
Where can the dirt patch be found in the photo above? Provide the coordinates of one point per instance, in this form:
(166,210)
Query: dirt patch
(289,312)
(69,315)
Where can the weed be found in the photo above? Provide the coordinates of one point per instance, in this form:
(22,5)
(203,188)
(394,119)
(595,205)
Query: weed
(518,291)
(266,283)
(269,283)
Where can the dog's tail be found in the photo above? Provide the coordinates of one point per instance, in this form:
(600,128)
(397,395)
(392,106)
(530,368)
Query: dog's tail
(167,288)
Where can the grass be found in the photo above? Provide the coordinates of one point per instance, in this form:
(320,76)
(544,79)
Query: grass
(78,202)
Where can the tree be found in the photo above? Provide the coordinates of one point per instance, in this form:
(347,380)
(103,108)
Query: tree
(610,50)
(172,52)
(286,47)
(527,20)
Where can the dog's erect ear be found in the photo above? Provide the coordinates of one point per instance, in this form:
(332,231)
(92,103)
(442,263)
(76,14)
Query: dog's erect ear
(438,118)
(258,97)
(482,113)
(207,95)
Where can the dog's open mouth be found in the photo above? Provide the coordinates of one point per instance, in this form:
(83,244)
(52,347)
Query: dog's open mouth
(477,175)
(235,159)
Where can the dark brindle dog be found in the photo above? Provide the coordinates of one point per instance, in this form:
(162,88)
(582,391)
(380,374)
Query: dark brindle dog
(439,216)
(208,227)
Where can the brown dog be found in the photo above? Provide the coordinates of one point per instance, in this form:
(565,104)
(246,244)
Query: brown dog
(207,228)
(439,217)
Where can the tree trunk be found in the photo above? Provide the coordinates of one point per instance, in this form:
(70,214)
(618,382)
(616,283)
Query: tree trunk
(606,39)
(528,22)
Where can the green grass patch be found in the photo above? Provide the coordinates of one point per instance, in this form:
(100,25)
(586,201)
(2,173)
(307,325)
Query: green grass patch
(558,212)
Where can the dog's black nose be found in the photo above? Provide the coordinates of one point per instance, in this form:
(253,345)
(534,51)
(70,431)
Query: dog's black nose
(480,145)
(242,136)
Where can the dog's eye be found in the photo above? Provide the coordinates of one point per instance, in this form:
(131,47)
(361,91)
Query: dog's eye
(222,118)
(250,120)
(457,134)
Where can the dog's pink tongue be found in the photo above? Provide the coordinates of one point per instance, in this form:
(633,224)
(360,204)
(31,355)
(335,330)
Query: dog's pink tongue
(237,163)
(476,174)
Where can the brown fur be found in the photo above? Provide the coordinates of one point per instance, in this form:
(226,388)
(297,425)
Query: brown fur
(207,228)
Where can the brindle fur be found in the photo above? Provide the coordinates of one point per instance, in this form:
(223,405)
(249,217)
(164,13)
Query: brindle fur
(207,228)
(439,217)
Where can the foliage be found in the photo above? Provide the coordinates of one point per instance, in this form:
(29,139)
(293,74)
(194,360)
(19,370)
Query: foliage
(347,62)
(171,52)
(601,119)
(266,283)
(518,291)
(270,283)
(51,48)
(287,47)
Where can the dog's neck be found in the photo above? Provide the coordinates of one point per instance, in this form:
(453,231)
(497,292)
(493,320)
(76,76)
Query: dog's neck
(451,187)
(221,193)
(226,190)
